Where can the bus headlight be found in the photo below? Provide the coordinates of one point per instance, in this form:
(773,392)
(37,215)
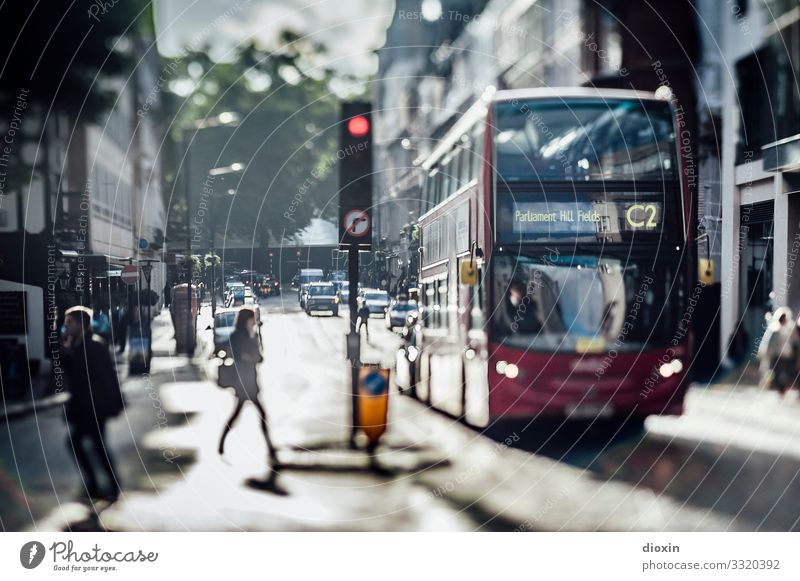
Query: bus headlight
(412,353)
(669,369)
(510,370)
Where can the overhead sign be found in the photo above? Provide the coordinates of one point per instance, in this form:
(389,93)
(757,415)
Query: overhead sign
(130,274)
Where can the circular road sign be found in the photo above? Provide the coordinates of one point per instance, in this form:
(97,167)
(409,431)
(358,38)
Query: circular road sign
(130,274)
(356,223)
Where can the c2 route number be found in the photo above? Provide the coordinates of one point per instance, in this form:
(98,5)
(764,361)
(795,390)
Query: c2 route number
(636,220)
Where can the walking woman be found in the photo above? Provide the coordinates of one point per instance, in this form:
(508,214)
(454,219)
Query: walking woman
(246,353)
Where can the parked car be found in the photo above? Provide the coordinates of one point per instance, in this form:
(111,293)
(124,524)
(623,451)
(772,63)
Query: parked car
(377,301)
(322,296)
(252,302)
(224,320)
(399,313)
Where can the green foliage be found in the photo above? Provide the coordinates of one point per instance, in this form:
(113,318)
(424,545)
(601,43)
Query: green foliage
(59,57)
(287,136)
(61,54)
(212,259)
(196,262)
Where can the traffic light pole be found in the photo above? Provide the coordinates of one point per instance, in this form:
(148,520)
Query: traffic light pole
(353,339)
(355,224)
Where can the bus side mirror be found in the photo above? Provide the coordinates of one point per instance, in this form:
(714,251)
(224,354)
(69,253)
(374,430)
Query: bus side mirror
(468,272)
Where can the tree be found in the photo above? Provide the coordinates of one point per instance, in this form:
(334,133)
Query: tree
(57,57)
(287,136)
(60,54)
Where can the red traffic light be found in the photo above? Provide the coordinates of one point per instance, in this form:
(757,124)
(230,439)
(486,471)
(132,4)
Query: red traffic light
(358,126)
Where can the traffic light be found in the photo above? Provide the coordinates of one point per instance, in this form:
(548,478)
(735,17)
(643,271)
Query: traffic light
(355,176)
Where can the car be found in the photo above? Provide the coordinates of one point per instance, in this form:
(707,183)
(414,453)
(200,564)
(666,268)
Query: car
(235,295)
(377,301)
(338,276)
(344,292)
(322,296)
(307,276)
(252,302)
(270,286)
(224,322)
(399,313)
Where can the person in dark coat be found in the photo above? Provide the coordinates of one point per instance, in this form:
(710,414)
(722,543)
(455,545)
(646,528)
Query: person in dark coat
(246,353)
(95,396)
(363,318)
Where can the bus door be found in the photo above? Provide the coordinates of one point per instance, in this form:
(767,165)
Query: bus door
(475,355)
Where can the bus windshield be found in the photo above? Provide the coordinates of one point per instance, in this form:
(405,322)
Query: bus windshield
(582,303)
(585,139)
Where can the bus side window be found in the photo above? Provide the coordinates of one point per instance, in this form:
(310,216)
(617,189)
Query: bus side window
(458,174)
(441,300)
(466,163)
(477,150)
(432,188)
(447,178)
(428,301)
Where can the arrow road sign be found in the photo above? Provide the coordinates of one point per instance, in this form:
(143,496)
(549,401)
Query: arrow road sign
(356,223)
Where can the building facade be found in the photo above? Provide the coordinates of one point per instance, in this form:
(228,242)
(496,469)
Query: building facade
(760,234)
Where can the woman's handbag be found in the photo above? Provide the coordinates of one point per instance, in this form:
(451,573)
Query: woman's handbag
(227,375)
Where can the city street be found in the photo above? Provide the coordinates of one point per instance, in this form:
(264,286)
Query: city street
(579,219)
(730,463)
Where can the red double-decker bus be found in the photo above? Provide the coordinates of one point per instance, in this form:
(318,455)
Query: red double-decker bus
(572,208)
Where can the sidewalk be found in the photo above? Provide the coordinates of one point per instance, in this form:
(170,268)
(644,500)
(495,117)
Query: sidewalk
(41,394)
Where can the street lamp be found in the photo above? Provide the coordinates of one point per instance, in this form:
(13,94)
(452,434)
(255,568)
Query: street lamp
(224,119)
(218,171)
